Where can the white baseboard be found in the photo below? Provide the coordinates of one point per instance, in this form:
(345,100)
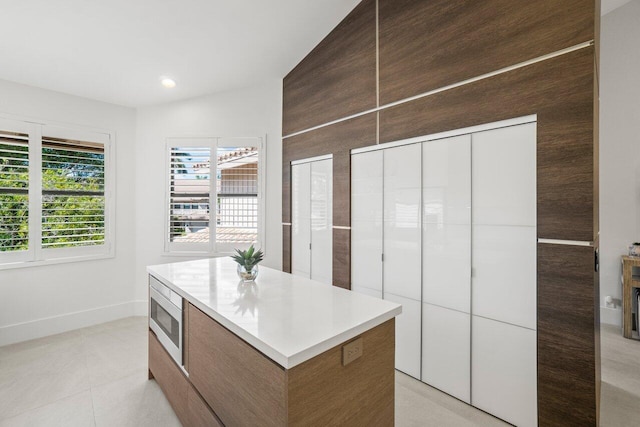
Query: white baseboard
(38,328)
(611,316)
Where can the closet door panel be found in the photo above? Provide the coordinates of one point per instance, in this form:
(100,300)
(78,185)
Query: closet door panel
(504,375)
(408,325)
(446,263)
(402,237)
(322,221)
(402,206)
(366,186)
(504,274)
(366,255)
(446,350)
(301,219)
(402,168)
(402,260)
(366,222)
(446,219)
(504,176)
(446,181)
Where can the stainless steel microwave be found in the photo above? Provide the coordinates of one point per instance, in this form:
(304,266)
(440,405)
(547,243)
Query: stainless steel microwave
(165,317)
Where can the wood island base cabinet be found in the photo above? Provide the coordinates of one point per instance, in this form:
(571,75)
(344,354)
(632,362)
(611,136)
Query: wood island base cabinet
(189,407)
(231,383)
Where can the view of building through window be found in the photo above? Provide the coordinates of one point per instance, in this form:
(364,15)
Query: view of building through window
(234,197)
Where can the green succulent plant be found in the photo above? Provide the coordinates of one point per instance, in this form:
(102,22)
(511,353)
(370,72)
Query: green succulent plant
(248,258)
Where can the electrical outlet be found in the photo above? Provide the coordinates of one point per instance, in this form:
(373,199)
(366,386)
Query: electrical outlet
(351,351)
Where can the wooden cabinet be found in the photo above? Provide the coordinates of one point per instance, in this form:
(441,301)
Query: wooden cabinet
(199,414)
(171,380)
(227,371)
(630,281)
(246,388)
(189,407)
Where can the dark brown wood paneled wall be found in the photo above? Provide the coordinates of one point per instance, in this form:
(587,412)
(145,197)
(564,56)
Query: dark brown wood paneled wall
(560,92)
(338,78)
(425,46)
(566,336)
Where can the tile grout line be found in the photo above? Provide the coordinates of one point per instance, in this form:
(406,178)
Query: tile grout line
(85,356)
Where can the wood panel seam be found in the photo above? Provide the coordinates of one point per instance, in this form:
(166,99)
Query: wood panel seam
(449,87)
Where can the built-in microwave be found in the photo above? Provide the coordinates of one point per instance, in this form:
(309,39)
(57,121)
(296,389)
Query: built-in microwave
(165,317)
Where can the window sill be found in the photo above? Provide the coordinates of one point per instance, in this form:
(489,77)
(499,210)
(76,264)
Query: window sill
(54,261)
(192,254)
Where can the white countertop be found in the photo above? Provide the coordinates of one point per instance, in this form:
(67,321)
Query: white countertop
(288,318)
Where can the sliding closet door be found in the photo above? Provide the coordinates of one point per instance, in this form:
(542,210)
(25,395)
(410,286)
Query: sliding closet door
(504,273)
(312,220)
(366,223)
(301,220)
(402,266)
(322,221)
(446,263)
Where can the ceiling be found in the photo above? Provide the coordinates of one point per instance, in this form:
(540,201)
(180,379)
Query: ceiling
(117,50)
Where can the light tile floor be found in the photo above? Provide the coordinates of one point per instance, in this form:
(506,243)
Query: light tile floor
(97,376)
(620,390)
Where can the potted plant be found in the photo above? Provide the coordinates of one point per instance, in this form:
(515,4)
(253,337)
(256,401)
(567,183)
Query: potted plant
(248,263)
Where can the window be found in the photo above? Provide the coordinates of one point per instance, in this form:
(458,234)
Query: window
(214,196)
(54,200)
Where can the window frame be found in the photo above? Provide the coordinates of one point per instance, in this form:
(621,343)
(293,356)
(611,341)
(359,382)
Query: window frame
(36,255)
(211,248)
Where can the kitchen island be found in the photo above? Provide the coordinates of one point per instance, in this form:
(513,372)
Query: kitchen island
(284,350)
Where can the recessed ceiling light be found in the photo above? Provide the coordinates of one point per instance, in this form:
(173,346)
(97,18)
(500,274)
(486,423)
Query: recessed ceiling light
(168,83)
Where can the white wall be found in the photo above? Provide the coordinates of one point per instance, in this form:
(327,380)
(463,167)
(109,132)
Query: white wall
(255,111)
(39,301)
(619,147)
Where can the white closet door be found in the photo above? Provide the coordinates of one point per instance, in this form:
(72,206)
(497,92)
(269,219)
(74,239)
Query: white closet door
(504,374)
(366,223)
(504,224)
(301,220)
(402,236)
(504,176)
(402,270)
(322,221)
(407,335)
(446,350)
(504,283)
(446,222)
